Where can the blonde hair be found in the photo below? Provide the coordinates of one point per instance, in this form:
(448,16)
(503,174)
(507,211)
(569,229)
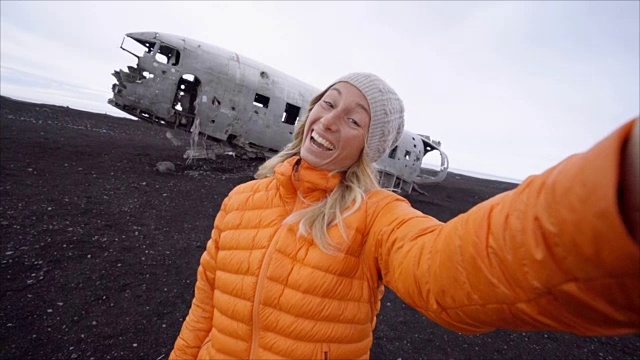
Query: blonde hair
(345,199)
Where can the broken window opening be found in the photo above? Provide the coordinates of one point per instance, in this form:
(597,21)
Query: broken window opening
(392,153)
(261,101)
(137,47)
(407,155)
(162,58)
(291,114)
(168,55)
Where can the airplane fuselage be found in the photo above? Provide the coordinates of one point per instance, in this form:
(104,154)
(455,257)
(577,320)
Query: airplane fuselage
(183,83)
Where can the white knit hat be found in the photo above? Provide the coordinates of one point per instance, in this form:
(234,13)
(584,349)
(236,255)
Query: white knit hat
(387,113)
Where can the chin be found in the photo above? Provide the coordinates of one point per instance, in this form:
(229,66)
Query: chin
(326,162)
(316,163)
(312,161)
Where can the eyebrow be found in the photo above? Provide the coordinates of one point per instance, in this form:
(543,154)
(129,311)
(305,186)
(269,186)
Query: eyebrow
(357,104)
(336,89)
(363,108)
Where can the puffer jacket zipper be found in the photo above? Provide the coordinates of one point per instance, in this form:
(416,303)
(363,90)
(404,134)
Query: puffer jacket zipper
(325,352)
(256,302)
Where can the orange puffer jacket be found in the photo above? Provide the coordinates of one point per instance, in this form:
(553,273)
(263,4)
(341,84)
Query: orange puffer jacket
(552,254)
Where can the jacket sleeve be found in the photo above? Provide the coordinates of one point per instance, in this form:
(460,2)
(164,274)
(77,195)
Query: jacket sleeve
(552,254)
(198,323)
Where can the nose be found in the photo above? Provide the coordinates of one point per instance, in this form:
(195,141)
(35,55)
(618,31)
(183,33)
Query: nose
(329,122)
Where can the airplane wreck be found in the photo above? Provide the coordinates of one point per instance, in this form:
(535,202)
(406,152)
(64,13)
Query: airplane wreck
(236,104)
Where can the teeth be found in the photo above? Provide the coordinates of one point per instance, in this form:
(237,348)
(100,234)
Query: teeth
(322,141)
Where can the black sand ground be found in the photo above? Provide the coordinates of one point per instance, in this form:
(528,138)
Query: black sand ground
(99,251)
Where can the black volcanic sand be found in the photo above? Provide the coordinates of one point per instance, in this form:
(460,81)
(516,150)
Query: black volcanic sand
(99,250)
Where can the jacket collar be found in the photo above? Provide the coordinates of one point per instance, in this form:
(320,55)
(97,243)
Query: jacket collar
(296,176)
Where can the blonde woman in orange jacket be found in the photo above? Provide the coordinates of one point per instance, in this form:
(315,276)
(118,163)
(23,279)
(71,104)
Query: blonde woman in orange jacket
(297,258)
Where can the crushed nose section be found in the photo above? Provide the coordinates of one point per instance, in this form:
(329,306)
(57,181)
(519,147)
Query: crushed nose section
(123,78)
(147,89)
(123,99)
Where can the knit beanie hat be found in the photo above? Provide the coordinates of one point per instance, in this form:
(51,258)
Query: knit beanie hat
(387,112)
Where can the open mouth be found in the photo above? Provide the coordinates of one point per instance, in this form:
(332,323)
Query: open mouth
(321,143)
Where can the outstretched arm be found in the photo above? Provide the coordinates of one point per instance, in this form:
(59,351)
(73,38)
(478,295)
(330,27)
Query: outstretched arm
(552,254)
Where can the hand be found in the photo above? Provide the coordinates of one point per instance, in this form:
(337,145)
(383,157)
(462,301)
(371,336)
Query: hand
(629,201)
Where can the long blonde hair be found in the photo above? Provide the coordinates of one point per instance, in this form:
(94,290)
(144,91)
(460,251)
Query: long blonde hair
(345,199)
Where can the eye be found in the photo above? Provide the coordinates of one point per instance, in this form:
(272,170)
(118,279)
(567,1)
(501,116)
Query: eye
(328,103)
(354,122)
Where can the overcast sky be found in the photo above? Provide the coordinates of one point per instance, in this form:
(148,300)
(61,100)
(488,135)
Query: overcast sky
(510,88)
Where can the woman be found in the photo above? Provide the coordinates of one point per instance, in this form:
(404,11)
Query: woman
(297,259)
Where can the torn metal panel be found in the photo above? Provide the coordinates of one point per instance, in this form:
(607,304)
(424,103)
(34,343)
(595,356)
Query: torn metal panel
(240,104)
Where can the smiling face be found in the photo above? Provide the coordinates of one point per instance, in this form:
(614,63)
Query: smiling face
(336,129)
